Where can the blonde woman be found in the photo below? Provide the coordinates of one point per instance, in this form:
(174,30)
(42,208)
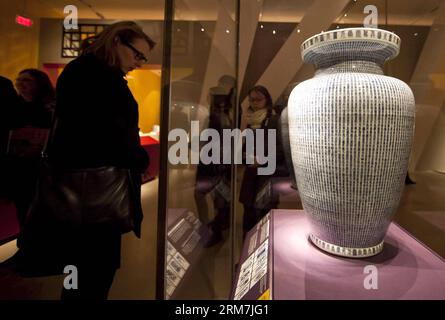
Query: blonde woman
(97,126)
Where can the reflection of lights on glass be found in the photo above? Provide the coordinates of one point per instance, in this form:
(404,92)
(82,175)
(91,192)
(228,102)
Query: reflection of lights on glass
(338,27)
(346,14)
(227,31)
(274,32)
(416,34)
(261,26)
(298,30)
(202,29)
(436,29)
(178,29)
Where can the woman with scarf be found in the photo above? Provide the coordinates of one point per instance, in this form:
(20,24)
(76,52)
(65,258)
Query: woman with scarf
(260,114)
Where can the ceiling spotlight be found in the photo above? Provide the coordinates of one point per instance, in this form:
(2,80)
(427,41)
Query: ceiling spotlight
(202,29)
(346,14)
(261,26)
(227,31)
(274,32)
(298,30)
(416,34)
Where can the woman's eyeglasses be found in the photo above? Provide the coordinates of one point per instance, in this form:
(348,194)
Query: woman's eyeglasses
(137,54)
(255,99)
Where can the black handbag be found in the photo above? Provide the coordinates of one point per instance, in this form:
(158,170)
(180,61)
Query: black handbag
(65,202)
(79,197)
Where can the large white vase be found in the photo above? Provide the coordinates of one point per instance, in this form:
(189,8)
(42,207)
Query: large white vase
(350,130)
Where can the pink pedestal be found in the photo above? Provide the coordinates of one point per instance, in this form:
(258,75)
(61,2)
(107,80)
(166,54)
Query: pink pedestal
(297,270)
(406,269)
(9,226)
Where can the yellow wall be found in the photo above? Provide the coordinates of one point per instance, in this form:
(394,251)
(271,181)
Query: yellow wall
(19,45)
(145,85)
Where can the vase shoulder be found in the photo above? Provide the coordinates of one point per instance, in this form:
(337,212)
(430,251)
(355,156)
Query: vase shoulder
(373,90)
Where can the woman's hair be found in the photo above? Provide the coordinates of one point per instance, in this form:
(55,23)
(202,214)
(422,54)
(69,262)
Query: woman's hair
(266,94)
(45,92)
(103,44)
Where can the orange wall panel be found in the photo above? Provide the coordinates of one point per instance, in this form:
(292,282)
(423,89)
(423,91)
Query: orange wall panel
(145,84)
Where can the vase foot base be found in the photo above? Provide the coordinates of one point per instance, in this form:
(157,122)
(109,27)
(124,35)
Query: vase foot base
(346,251)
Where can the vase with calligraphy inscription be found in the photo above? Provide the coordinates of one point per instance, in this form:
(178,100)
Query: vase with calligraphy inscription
(351,129)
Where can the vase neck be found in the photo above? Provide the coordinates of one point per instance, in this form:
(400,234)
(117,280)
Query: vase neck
(357,66)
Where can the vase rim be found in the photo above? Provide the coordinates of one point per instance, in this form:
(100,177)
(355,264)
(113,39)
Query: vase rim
(357,34)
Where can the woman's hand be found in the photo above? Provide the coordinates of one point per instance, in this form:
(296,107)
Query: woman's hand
(244,116)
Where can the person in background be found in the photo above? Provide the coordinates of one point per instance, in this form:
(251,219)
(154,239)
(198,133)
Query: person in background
(259,114)
(36,99)
(31,115)
(214,178)
(97,126)
(220,119)
(26,124)
(8,101)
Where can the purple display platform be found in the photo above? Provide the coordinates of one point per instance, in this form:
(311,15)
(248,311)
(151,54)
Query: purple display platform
(279,262)
(406,269)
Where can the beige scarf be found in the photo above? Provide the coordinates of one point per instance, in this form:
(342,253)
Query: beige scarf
(256,117)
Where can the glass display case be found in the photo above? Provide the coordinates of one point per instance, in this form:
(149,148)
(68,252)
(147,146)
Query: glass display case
(216,53)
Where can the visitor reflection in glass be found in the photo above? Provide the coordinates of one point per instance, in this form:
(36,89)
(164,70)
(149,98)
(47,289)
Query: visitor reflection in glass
(212,178)
(256,192)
